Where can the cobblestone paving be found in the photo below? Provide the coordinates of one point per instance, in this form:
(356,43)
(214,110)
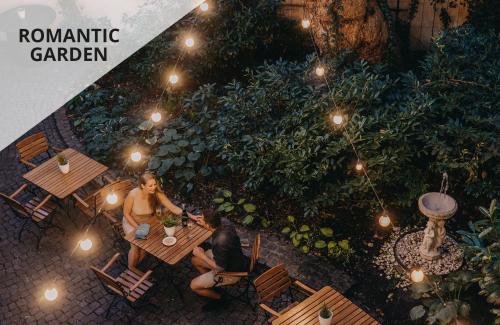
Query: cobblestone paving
(26,272)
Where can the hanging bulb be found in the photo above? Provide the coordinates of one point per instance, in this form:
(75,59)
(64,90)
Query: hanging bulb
(337,119)
(359,166)
(173,78)
(136,156)
(111,198)
(417,276)
(51,294)
(156,117)
(204,6)
(189,42)
(320,71)
(85,244)
(306,23)
(384,220)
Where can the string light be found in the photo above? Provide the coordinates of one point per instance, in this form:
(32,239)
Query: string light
(320,71)
(204,6)
(173,78)
(189,42)
(306,23)
(337,119)
(51,294)
(85,244)
(111,198)
(417,276)
(136,156)
(359,166)
(384,220)
(156,117)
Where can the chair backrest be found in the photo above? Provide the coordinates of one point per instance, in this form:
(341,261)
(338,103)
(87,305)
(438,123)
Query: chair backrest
(255,253)
(108,281)
(120,188)
(15,205)
(272,283)
(32,146)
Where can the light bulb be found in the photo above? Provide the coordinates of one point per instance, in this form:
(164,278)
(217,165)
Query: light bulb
(320,71)
(204,6)
(306,23)
(85,244)
(156,117)
(384,220)
(112,198)
(189,42)
(21,13)
(173,78)
(337,119)
(136,156)
(359,166)
(51,294)
(417,276)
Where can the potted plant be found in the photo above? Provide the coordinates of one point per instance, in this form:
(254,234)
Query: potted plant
(325,315)
(169,225)
(63,163)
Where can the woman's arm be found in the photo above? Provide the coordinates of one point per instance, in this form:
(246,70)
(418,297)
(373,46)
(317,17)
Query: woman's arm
(127,210)
(168,204)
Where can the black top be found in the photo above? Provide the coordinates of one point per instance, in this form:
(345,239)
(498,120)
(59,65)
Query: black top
(226,248)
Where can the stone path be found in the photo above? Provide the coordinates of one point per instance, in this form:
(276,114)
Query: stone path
(25,272)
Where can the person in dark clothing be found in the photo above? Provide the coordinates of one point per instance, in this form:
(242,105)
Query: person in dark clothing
(225,255)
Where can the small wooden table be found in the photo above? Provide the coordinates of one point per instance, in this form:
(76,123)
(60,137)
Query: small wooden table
(344,310)
(187,239)
(82,170)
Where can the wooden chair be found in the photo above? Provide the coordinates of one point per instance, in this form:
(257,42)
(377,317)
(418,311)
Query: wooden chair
(33,147)
(245,276)
(272,284)
(32,210)
(129,286)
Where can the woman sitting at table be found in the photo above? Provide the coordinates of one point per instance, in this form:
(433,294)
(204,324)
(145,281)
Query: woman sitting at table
(140,206)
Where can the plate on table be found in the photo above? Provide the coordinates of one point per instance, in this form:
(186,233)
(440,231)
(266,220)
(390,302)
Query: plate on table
(169,241)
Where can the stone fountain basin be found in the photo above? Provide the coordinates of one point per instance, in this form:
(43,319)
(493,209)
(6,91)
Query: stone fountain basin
(437,205)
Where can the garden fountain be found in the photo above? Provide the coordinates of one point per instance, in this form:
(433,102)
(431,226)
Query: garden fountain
(431,249)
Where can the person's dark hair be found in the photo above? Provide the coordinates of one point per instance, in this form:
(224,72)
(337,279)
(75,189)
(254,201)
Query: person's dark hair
(153,200)
(211,217)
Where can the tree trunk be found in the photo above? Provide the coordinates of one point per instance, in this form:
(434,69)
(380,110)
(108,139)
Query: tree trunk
(356,25)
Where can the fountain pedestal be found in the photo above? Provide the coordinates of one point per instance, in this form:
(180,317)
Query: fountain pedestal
(438,207)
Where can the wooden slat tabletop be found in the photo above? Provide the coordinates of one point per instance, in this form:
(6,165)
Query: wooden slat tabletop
(82,170)
(187,239)
(344,310)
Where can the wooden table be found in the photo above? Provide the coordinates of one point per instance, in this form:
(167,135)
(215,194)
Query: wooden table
(187,239)
(344,310)
(82,170)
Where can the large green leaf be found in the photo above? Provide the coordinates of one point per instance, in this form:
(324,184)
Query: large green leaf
(304,228)
(248,220)
(146,125)
(326,231)
(193,156)
(165,166)
(154,163)
(417,312)
(178,161)
(249,207)
(320,244)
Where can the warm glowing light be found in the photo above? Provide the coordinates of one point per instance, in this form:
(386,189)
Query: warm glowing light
(156,117)
(173,78)
(359,166)
(112,198)
(51,294)
(384,220)
(306,23)
(21,13)
(85,244)
(204,6)
(337,119)
(136,156)
(417,276)
(189,42)
(320,71)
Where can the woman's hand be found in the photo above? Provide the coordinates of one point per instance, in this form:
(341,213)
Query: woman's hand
(196,218)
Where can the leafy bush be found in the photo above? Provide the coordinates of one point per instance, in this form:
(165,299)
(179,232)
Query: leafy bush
(244,211)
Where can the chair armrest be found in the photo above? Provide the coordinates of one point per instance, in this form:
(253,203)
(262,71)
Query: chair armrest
(19,190)
(141,280)
(27,163)
(304,287)
(269,310)
(111,261)
(41,204)
(80,200)
(236,274)
(110,217)
(108,179)
(56,149)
